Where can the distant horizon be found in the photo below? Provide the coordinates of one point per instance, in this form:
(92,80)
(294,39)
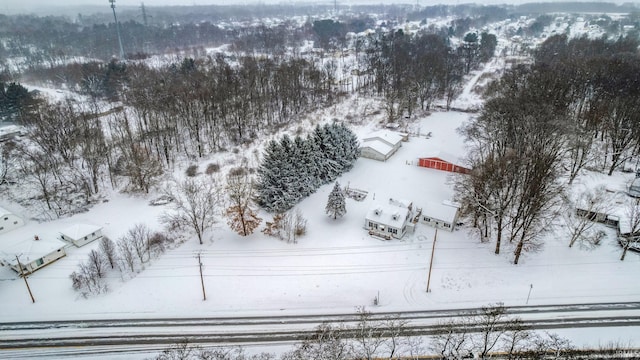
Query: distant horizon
(44,6)
(21,5)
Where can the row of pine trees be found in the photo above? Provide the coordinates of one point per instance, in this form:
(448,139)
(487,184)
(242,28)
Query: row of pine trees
(293,169)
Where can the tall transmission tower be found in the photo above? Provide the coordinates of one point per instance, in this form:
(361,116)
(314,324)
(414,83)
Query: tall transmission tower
(113,7)
(144,14)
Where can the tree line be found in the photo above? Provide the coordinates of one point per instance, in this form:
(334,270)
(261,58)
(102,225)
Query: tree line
(482,334)
(577,107)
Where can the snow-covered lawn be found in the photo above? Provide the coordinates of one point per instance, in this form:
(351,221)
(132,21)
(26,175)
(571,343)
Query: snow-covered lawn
(336,266)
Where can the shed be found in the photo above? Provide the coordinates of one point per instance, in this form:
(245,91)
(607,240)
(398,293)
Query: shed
(9,221)
(387,221)
(81,234)
(445,162)
(441,215)
(34,254)
(380,145)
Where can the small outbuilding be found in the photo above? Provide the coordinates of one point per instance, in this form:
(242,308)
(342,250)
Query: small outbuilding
(440,215)
(445,162)
(380,145)
(33,254)
(9,221)
(388,220)
(81,234)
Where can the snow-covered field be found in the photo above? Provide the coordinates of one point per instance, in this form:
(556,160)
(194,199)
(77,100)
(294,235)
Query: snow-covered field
(336,266)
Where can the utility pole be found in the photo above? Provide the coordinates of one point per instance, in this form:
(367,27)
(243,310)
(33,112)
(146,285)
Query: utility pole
(204,295)
(433,250)
(113,7)
(33,300)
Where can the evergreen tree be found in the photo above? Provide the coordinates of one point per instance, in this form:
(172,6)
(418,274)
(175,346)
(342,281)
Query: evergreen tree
(329,168)
(270,186)
(293,169)
(307,177)
(336,204)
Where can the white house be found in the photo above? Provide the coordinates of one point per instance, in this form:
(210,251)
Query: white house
(388,220)
(33,254)
(440,215)
(81,234)
(9,221)
(380,145)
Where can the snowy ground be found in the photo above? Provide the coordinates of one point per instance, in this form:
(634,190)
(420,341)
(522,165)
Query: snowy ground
(337,265)
(334,268)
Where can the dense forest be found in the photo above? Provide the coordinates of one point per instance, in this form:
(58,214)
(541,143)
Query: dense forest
(576,107)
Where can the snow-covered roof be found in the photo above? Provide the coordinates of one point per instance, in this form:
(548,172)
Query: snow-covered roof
(4,211)
(10,130)
(401,202)
(448,157)
(389,137)
(79,231)
(444,211)
(29,250)
(390,215)
(378,146)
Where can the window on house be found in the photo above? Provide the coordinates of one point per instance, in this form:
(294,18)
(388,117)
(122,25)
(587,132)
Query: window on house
(15,223)
(93,234)
(1,227)
(85,238)
(39,262)
(427,219)
(447,225)
(5,219)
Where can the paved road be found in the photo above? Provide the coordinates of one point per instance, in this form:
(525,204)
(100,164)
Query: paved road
(102,336)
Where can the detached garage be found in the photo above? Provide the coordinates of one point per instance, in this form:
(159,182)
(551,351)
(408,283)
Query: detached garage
(9,221)
(445,162)
(81,234)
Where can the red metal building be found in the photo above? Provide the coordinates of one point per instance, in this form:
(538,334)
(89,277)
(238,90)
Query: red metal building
(444,163)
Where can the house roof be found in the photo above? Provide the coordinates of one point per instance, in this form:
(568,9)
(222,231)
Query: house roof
(441,211)
(29,250)
(378,146)
(4,211)
(389,137)
(79,231)
(390,215)
(448,157)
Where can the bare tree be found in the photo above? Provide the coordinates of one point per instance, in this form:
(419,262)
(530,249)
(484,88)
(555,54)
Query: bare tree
(630,227)
(489,322)
(368,336)
(241,217)
(582,213)
(126,253)
(194,206)
(96,263)
(516,339)
(108,249)
(292,226)
(326,343)
(139,236)
(453,341)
